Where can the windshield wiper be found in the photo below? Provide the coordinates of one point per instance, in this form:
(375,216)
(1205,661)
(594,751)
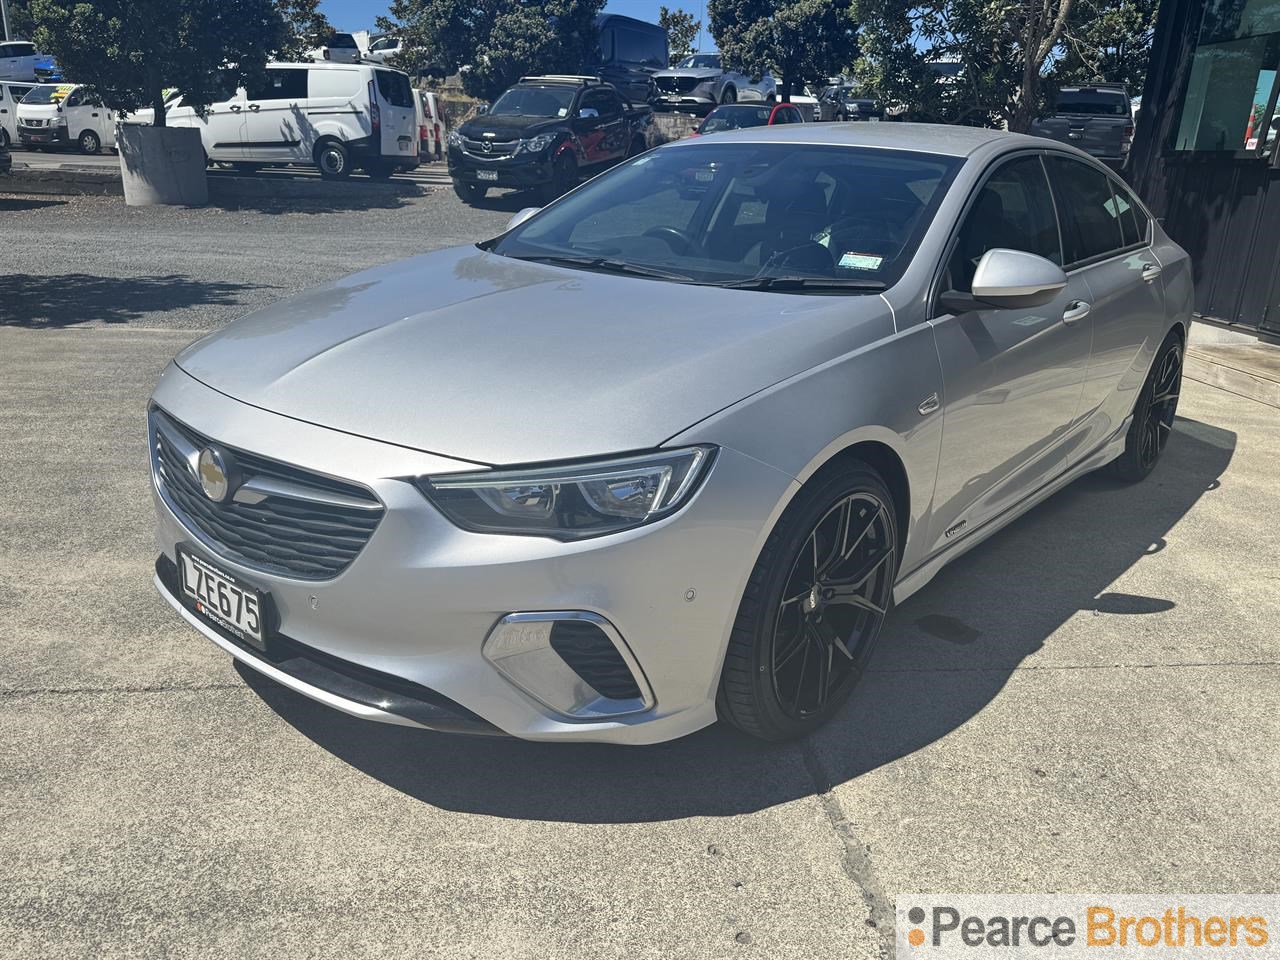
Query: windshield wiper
(604,263)
(803,283)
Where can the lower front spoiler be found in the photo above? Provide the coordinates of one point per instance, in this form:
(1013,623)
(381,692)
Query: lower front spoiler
(345,686)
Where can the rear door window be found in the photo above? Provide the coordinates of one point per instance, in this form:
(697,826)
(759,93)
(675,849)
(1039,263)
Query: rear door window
(1014,209)
(394,88)
(281,85)
(1091,225)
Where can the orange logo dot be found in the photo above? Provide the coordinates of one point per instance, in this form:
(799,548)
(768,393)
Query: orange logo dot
(915,937)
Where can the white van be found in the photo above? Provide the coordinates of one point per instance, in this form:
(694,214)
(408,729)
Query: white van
(57,115)
(431,128)
(11,95)
(337,116)
(337,48)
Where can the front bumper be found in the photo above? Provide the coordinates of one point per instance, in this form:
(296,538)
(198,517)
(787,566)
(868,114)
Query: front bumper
(416,605)
(43,136)
(694,100)
(518,172)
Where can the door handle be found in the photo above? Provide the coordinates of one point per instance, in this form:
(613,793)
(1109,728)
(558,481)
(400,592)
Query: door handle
(1151,272)
(254,107)
(235,108)
(1076,310)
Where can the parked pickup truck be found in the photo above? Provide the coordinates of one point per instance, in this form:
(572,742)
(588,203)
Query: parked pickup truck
(543,134)
(1097,119)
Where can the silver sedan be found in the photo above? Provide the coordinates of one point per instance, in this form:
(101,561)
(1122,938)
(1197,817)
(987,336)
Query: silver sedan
(671,448)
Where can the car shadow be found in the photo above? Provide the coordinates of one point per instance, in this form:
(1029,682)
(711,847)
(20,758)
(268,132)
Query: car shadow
(944,655)
(67,299)
(20,204)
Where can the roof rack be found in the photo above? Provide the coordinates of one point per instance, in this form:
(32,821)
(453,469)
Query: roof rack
(562,78)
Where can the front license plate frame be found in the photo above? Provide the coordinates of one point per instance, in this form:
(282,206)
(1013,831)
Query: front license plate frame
(224,600)
(489,175)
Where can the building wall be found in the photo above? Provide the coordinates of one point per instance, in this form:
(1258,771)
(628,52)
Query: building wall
(1217,196)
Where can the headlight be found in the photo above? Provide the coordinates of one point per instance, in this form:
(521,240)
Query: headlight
(572,502)
(455,138)
(535,144)
(59,121)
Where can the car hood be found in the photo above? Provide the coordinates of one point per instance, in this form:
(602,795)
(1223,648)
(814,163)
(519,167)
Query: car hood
(497,361)
(506,129)
(699,73)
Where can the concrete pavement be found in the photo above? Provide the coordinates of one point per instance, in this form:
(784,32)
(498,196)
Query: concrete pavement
(1087,702)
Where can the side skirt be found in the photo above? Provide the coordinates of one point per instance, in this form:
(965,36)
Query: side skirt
(909,583)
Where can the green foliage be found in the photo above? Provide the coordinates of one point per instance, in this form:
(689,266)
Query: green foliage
(682,30)
(1010,53)
(21,24)
(497,41)
(306,27)
(1108,41)
(805,40)
(129,51)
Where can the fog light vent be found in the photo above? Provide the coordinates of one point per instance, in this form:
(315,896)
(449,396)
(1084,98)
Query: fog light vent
(573,661)
(592,656)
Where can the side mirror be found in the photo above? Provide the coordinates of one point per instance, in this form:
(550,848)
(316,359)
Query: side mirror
(588,113)
(1009,279)
(482,109)
(521,217)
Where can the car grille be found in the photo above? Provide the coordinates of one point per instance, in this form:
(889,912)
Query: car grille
(477,148)
(297,535)
(36,123)
(677,84)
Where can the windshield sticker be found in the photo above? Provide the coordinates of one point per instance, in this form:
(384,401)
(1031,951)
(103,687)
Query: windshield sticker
(861,261)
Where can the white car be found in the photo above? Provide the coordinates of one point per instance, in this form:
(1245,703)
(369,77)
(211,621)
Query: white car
(338,48)
(57,115)
(11,95)
(19,60)
(383,49)
(337,116)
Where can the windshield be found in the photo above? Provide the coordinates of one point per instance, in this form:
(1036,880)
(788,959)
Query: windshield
(724,212)
(534,102)
(699,60)
(1097,103)
(735,118)
(48,93)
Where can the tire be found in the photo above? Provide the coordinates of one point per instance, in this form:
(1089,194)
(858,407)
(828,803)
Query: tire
(729,95)
(469,192)
(4,138)
(638,146)
(333,160)
(564,177)
(787,618)
(1153,414)
(89,143)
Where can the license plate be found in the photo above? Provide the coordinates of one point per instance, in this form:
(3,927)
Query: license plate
(38,137)
(404,146)
(222,599)
(486,174)
(673,99)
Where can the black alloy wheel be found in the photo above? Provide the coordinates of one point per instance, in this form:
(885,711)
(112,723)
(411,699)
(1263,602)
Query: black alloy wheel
(813,607)
(1153,414)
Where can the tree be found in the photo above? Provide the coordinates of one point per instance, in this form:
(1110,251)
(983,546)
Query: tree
(1007,52)
(803,39)
(1108,41)
(306,28)
(682,31)
(498,41)
(21,26)
(129,51)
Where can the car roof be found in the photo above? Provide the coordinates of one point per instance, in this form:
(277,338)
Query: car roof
(923,137)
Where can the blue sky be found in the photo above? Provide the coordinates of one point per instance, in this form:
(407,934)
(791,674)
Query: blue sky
(349,15)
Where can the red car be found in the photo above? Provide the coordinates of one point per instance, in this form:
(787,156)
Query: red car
(735,116)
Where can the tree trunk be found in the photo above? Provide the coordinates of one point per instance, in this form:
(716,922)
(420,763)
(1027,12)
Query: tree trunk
(156,85)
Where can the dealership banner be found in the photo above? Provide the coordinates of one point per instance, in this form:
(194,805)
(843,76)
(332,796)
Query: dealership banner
(932,926)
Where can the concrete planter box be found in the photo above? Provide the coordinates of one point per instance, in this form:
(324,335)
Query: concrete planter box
(162,165)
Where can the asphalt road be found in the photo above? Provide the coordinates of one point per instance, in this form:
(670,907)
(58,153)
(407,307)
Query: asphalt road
(1087,702)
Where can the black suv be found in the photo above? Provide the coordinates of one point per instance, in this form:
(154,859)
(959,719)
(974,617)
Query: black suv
(543,134)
